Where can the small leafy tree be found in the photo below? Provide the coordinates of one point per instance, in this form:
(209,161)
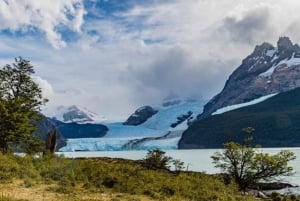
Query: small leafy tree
(20,101)
(247,167)
(156,159)
(178,165)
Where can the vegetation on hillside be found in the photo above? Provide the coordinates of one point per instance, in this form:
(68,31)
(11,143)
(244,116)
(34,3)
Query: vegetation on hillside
(69,177)
(20,101)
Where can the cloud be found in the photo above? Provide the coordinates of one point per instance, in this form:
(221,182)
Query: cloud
(47,90)
(121,59)
(178,71)
(46,16)
(248,27)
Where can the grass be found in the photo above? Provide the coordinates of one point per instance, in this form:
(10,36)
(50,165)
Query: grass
(102,179)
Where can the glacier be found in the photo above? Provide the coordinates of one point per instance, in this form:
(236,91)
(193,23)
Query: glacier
(156,132)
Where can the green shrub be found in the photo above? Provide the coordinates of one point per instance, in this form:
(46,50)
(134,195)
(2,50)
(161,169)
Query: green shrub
(156,159)
(9,168)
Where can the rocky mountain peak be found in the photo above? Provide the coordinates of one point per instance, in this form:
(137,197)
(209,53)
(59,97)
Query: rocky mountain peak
(266,71)
(261,50)
(140,116)
(72,113)
(284,43)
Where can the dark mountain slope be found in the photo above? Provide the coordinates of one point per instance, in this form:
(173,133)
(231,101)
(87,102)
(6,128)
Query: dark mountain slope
(75,130)
(267,70)
(276,122)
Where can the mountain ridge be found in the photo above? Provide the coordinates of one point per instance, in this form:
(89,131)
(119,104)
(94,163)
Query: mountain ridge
(275,120)
(252,80)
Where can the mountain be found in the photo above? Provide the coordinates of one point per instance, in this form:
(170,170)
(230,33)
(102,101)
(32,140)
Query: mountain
(140,116)
(69,130)
(75,130)
(162,129)
(72,114)
(276,122)
(267,70)
(47,125)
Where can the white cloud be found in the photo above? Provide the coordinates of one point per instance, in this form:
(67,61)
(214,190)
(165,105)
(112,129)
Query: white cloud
(141,54)
(47,90)
(45,15)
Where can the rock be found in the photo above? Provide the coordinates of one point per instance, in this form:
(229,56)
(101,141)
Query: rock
(261,195)
(266,71)
(271,186)
(140,116)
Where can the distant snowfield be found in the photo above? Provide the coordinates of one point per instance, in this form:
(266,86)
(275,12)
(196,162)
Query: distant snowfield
(234,107)
(58,112)
(154,133)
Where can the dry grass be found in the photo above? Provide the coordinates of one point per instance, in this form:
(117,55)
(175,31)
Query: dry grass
(17,191)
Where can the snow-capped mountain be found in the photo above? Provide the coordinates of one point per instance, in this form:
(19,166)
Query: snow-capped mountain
(267,70)
(73,113)
(162,130)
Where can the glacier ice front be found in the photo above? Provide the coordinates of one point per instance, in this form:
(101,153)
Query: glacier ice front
(163,130)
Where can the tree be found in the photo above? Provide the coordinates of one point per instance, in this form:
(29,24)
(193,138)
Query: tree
(247,167)
(20,101)
(156,159)
(178,165)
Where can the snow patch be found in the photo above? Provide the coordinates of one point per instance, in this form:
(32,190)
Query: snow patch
(58,111)
(233,107)
(270,53)
(289,62)
(165,116)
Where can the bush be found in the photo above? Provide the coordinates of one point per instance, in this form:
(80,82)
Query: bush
(9,168)
(156,159)
(247,167)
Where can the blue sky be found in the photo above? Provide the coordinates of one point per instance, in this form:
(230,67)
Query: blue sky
(113,56)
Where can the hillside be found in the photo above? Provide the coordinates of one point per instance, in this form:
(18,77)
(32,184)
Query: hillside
(57,178)
(276,122)
(267,70)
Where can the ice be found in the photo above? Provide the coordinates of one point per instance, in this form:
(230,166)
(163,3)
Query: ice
(164,144)
(233,107)
(57,112)
(270,53)
(118,130)
(95,144)
(289,62)
(151,134)
(168,115)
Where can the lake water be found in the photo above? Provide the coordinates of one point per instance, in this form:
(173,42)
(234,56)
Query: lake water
(195,160)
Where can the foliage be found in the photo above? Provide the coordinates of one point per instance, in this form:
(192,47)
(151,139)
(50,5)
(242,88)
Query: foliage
(112,176)
(20,101)
(156,159)
(178,165)
(247,167)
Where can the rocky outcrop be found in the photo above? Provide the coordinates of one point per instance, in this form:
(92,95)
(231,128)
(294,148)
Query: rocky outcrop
(140,116)
(272,186)
(267,70)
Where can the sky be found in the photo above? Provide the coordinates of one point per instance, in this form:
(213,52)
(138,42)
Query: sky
(113,56)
